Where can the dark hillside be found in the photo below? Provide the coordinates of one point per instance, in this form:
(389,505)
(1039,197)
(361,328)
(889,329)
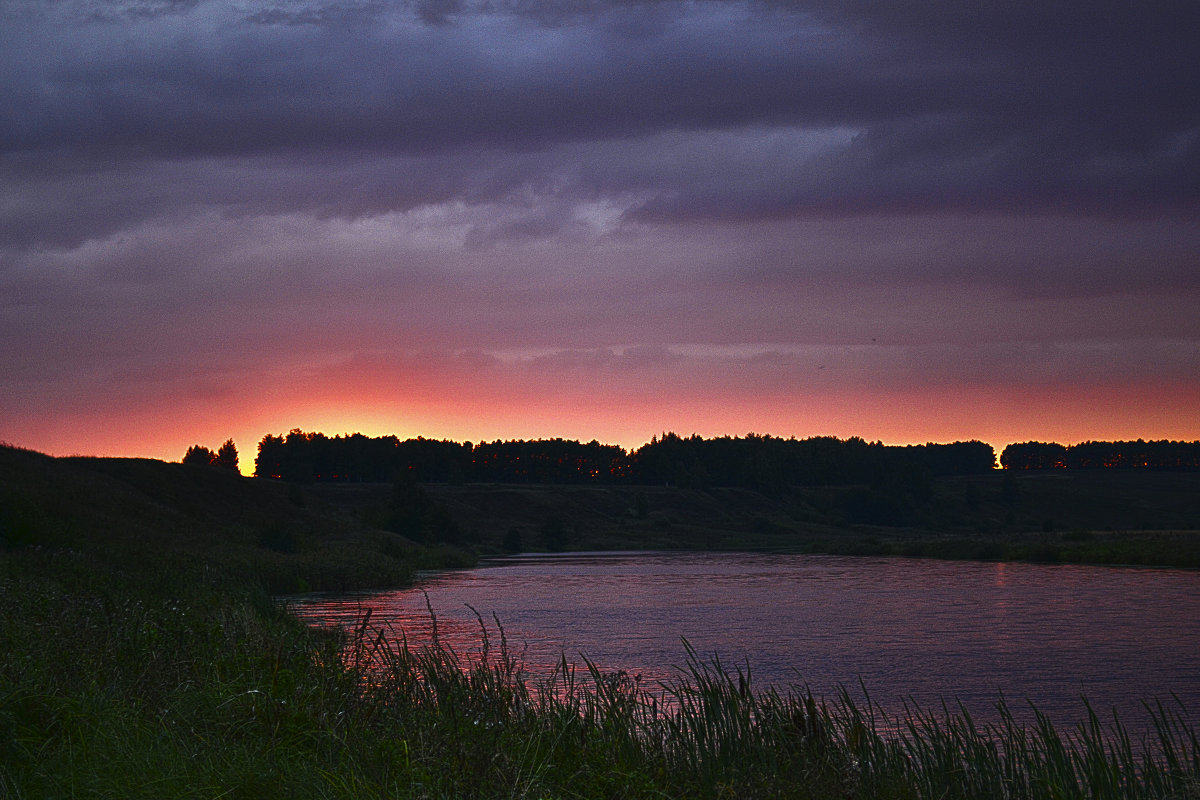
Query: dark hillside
(1106,499)
(632,517)
(145,515)
(1102,516)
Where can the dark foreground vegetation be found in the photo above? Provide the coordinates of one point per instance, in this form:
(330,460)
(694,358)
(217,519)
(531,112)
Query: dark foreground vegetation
(142,657)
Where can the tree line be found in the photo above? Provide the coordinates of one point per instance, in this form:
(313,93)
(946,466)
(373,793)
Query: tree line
(225,456)
(1161,454)
(764,463)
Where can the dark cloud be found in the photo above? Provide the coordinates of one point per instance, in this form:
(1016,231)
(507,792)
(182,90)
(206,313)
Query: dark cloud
(1006,105)
(825,195)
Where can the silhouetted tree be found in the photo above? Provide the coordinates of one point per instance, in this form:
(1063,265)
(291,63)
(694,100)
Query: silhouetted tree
(198,454)
(271,455)
(227,456)
(1034,455)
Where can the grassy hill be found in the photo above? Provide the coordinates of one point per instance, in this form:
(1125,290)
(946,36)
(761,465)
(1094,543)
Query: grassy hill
(150,516)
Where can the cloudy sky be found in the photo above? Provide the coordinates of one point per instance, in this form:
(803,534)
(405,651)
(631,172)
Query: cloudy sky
(908,221)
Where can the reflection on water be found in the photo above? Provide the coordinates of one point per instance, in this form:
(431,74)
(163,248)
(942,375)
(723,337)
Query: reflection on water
(905,628)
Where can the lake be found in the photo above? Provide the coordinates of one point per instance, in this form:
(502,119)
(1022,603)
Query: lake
(906,629)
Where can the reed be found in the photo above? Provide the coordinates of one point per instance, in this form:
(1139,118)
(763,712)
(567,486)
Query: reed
(710,733)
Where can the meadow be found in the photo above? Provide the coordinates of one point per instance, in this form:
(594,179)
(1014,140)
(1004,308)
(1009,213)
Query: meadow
(142,655)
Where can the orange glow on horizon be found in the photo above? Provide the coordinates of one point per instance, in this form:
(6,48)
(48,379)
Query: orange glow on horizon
(996,415)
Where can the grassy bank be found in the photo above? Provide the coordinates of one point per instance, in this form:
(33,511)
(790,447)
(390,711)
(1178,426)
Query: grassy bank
(142,657)
(140,653)
(131,686)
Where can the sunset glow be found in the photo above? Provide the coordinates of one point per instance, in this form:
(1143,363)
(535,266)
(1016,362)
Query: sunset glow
(598,221)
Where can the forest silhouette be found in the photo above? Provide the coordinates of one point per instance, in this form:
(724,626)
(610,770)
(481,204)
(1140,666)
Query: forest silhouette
(1161,454)
(763,463)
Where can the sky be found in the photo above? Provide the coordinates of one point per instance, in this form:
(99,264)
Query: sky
(597,219)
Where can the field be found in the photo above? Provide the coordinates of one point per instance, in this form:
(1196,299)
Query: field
(141,655)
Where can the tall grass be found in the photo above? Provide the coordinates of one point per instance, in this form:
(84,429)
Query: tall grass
(710,733)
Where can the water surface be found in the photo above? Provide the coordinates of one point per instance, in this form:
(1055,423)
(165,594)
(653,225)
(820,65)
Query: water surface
(906,629)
